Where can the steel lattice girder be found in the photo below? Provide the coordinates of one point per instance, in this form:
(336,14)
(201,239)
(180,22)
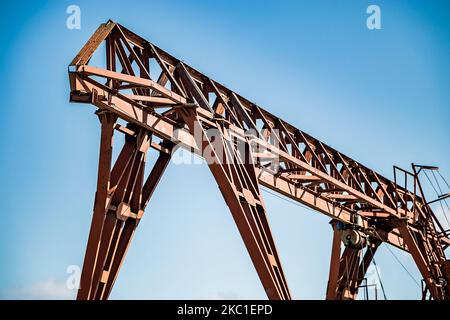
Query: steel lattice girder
(292,162)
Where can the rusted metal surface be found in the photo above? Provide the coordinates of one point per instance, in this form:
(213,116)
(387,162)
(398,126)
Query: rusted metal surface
(184,108)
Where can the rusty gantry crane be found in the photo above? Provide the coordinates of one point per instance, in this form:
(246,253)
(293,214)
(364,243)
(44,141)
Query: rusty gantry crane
(245,147)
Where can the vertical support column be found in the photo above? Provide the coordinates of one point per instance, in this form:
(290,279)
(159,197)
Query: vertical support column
(432,273)
(120,203)
(234,171)
(107,121)
(348,270)
(347,277)
(335,260)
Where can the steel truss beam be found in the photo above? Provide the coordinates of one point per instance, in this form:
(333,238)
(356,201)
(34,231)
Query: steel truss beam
(173,100)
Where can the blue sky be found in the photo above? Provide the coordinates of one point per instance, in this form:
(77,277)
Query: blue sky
(379,96)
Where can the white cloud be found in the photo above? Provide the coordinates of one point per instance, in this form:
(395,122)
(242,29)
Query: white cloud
(50,289)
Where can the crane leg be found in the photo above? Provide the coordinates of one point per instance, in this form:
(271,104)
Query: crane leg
(424,253)
(347,270)
(232,167)
(119,205)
